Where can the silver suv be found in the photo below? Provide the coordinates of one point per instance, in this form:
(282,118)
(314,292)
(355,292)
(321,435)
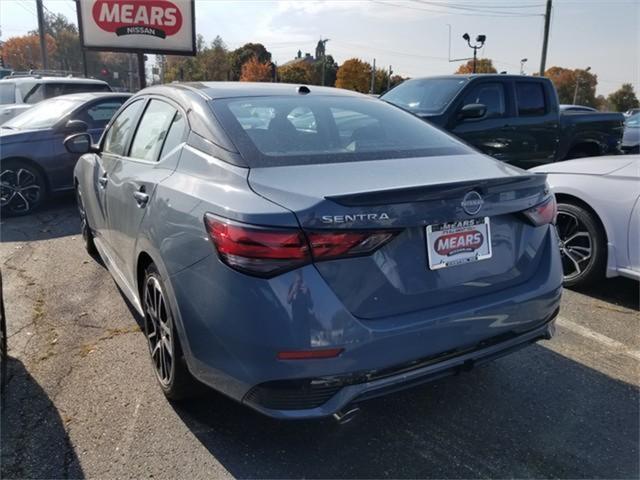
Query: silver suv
(20,92)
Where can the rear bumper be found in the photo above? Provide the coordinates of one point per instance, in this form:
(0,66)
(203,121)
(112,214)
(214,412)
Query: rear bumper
(232,327)
(361,386)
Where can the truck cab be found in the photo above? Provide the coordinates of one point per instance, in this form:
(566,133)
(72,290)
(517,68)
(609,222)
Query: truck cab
(513,118)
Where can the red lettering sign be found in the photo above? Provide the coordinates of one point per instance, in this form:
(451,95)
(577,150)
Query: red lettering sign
(160,18)
(458,242)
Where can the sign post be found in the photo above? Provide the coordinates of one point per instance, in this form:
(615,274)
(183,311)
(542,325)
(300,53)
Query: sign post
(138,26)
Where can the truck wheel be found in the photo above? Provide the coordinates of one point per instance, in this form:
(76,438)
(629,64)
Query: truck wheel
(583,245)
(22,188)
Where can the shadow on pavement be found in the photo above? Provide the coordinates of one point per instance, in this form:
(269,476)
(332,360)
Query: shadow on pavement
(619,291)
(534,414)
(59,218)
(34,440)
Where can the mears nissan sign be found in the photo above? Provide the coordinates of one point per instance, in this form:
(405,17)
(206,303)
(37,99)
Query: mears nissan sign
(154,26)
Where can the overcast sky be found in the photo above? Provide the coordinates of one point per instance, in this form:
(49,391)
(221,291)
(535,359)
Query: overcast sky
(413,35)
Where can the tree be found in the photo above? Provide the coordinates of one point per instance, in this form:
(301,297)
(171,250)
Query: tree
(253,70)
(330,71)
(23,52)
(239,56)
(354,74)
(623,99)
(483,65)
(296,72)
(564,80)
(215,60)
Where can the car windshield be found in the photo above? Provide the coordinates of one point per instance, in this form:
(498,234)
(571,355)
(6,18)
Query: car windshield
(427,95)
(7,93)
(43,115)
(293,130)
(633,120)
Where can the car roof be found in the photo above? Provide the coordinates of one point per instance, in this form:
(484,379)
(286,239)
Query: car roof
(38,79)
(218,90)
(471,76)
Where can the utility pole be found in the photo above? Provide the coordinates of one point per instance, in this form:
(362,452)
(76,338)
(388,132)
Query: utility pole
(545,40)
(85,68)
(142,74)
(575,92)
(389,77)
(41,32)
(373,77)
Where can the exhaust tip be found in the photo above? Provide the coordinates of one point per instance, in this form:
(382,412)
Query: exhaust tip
(347,414)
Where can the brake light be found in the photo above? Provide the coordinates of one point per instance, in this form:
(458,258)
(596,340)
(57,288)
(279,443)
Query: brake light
(269,251)
(543,213)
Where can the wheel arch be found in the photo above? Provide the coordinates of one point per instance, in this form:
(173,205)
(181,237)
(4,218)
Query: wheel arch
(562,197)
(593,148)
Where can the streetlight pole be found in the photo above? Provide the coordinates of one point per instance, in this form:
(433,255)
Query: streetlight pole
(480,39)
(522,62)
(575,92)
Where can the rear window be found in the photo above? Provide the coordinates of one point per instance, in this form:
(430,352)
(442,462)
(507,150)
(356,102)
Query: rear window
(7,93)
(274,131)
(56,89)
(530,97)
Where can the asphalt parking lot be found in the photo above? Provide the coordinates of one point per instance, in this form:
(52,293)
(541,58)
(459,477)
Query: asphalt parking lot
(81,399)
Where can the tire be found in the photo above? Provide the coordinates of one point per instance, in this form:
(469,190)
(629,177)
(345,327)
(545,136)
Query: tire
(170,368)
(87,234)
(23,188)
(583,245)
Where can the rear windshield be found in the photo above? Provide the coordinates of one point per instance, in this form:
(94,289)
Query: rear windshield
(274,131)
(428,95)
(7,93)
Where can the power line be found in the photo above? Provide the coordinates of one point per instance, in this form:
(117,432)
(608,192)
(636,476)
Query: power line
(477,8)
(503,15)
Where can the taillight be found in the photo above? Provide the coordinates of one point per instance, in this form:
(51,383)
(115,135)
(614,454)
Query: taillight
(543,213)
(269,251)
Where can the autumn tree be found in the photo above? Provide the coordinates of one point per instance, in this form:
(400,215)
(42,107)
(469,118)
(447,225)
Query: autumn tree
(483,65)
(623,99)
(253,70)
(296,72)
(239,56)
(23,52)
(354,74)
(565,79)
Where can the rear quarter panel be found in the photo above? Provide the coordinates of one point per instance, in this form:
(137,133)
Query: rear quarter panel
(611,197)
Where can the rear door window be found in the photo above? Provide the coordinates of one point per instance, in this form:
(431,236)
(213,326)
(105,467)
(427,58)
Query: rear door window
(7,93)
(175,135)
(98,114)
(152,130)
(530,98)
(31,92)
(491,95)
(117,136)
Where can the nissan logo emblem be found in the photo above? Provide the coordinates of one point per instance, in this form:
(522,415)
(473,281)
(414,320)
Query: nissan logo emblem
(472,203)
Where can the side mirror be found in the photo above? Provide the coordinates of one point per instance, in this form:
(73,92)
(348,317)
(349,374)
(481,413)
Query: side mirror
(79,143)
(75,126)
(473,110)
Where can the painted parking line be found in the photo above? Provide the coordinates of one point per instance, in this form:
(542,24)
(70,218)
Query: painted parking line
(598,337)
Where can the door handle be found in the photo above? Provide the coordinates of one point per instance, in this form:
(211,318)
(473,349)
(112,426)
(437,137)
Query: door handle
(141,197)
(103,180)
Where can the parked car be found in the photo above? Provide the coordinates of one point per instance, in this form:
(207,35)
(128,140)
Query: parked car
(564,108)
(33,160)
(631,111)
(19,93)
(598,217)
(510,117)
(300,267)
(631,137)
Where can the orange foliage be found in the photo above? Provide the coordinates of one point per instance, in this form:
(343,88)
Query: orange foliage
(253,70)
(23,53)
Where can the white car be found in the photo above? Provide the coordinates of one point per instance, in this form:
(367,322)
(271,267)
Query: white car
(598,216)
